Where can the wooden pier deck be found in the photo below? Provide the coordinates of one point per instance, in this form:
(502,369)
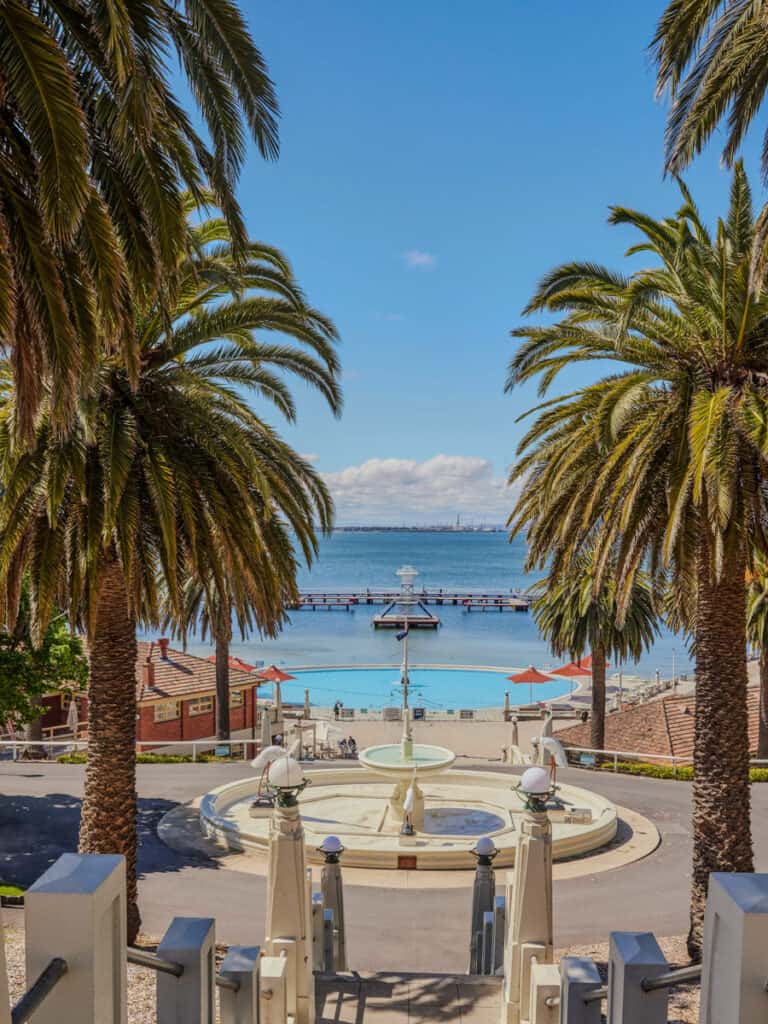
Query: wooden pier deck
(469,600)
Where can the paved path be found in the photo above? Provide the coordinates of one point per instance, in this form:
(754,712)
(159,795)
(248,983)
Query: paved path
(389,929)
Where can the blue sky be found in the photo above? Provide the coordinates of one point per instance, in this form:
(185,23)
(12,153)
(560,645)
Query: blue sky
(437,159)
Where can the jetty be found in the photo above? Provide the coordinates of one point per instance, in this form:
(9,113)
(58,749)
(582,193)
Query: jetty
(502,601)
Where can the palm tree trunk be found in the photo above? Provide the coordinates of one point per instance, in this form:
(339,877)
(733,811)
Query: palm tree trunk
(109,812)
(722,836)
(222,686)
(762,726)
(597,719)
(33,734)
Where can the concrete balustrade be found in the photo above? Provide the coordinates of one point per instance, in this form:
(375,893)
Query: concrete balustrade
(188,999)
(635,958)
(735,962)
(76,911)
(240,1005)
(273,1007)
(5,1001)
(579,978)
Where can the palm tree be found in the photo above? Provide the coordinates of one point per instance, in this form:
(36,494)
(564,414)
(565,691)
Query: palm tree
(663,463)
(757,632)
(579,611)
(212,611)
(162,479)
(93,168)
(710,56)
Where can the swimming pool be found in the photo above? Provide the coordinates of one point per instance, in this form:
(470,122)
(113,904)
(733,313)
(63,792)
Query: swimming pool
(430,687)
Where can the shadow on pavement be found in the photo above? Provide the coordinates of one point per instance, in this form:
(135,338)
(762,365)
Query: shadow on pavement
(36,830)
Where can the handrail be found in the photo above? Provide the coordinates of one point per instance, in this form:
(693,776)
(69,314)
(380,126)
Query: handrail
(142,958)
(669,979)
(34,997)
(628,753)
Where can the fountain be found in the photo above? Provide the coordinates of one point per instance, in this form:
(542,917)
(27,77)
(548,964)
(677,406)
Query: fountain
(406,762)
(381,826)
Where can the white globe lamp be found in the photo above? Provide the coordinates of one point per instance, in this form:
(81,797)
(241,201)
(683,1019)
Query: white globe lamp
(286,779)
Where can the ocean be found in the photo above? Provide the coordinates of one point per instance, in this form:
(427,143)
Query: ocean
(475,561)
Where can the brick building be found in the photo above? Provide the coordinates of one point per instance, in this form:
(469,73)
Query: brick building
(176,697)
(664,726)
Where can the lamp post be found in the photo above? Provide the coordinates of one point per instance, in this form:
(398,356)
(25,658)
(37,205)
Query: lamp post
(288,925)
(483,895)
(529,897)
(333,896)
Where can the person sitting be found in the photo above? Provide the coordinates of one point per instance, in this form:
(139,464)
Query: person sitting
(343,748)
(352,745)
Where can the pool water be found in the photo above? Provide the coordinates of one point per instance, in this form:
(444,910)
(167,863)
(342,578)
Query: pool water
(431,688)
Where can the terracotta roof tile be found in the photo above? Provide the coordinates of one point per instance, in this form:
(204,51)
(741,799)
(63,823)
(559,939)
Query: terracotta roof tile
(181,674)
(664,726)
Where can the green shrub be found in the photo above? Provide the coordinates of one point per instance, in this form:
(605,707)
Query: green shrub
(683,773)
(80,757)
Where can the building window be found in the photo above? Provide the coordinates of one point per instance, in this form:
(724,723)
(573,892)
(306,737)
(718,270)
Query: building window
(235,698)
(167,711)
(201,706)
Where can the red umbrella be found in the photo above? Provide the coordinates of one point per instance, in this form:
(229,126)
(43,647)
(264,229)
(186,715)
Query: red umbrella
(531,676)
(274,675)
(573,668)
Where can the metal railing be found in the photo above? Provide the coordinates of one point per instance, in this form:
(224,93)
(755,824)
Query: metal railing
(634,755)
(628,755)
(34,997)
(680,976)
(141,958)
(194,746)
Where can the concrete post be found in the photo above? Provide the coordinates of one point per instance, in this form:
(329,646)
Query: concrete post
(317,931)
(5,999)
(634,956)
(507,707)
(578,977)
(529,914)
(545,984)
(328,928)
(499,930)
(332,889)
(307,708)
(483,895)
(735,964)
(241,965)
(191,942)
(76,911)
(272,997)
(288,905)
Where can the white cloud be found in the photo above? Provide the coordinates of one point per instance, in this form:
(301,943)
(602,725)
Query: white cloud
(393,491)
(312,457)
(417,259)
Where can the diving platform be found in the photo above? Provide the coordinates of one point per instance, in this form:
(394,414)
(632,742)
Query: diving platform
(401,615)
(406,611)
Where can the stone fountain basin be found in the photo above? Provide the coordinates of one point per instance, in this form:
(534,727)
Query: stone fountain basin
(387,760)
(352,805)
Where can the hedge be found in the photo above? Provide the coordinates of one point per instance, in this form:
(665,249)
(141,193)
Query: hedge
(683,773)
(81,758)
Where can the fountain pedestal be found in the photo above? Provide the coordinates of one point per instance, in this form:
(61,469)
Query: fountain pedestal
(397,804)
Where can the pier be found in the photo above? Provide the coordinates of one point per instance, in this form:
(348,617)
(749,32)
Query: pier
(470,600)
